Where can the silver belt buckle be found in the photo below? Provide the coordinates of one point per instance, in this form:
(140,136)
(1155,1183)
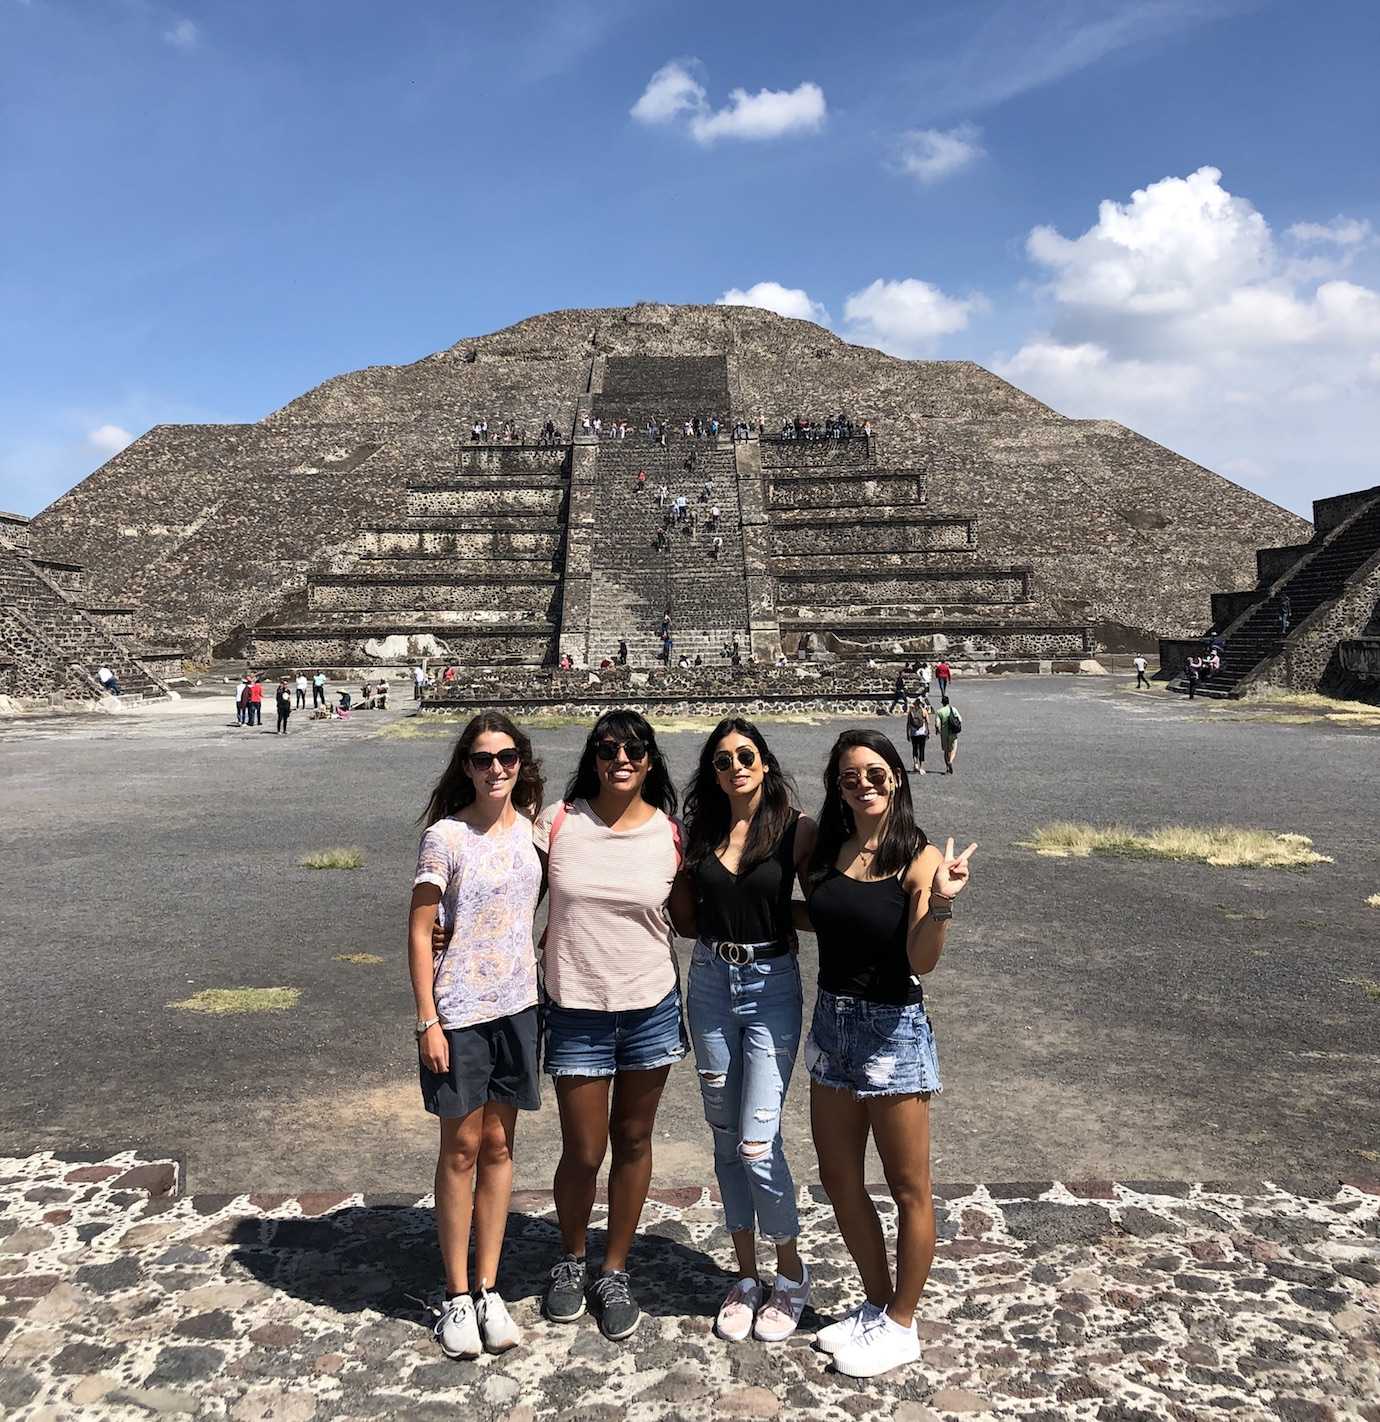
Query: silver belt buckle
(739,954)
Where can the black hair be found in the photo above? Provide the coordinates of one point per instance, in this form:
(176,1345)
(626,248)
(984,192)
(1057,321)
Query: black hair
(624,725)
(707,808)
(455,790)
(902,839)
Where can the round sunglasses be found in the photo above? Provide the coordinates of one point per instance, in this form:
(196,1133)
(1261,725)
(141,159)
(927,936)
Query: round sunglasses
(508,757)
(875,775)
(634,750)
(723,760)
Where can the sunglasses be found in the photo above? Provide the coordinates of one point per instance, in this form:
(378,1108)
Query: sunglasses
(875,775)
(608,750)
(508,757)
(724,759)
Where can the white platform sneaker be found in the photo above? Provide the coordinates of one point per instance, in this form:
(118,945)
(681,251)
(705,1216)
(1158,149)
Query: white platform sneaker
(457,1329)
(832,1338)
(496,1326)
(877,1348)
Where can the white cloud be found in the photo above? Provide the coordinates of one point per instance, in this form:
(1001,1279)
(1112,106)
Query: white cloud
(772,296)
(673,92)
(929,154)
(1342,231)
(906,317)
(1177,312)
(183,34)
(109,439)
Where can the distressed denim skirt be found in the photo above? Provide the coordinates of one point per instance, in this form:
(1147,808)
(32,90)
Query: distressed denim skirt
(872,1048)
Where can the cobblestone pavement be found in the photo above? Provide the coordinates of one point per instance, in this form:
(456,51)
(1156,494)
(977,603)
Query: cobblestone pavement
(121,1299)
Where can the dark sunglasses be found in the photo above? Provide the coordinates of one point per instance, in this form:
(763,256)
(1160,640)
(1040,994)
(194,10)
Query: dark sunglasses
(875,775)
(508,757)
(608,750)
(724,759)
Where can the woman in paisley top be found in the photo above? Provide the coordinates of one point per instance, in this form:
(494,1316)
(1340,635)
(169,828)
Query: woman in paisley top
(478,872)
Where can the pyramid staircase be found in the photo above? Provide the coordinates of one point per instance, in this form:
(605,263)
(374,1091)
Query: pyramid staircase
(1312,576)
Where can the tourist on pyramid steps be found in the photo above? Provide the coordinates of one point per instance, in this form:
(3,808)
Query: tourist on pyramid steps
(641,480)
(878,895)
(474,977)
(661,494)
(714,516)
(242,702)
(918,732)
(683,663)
(300,690)
(1141,679)
(342,707)
(318,690)
(1286,613)
(256,702)
(716,547)
(950,725)
(1212,662)
(1193,671)
(707,491)
(898,695)
(282,700)
(943,675)
(667,642)
(613,1019)
(745,844)
(622,651)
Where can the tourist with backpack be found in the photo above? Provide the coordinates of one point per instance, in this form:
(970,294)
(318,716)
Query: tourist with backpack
(614,1025)
(918,732)
(745,844)
(474,978)
(950,725)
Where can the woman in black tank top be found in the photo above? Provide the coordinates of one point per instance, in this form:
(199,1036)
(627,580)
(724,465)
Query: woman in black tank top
(878,897)
(745,842)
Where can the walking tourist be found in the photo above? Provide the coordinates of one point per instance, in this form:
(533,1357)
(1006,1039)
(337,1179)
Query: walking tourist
(382,693)
(918,732)
(879,897)
(300,688)
(108,680)
(924,676)
(242,702)
(622,651)
(950,725)
(1286,613)
(1193,671)
(418,681)
(613,1019)
(283,701)
(745,843)
(898,694)
(256,702)
(478,879)
(318,690)
(1141,679)
(942,674)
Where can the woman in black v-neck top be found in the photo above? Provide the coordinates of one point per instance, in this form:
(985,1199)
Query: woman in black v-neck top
(744,843)
(878,897)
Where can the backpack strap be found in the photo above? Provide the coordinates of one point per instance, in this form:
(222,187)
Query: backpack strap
(556,821)
(676,839)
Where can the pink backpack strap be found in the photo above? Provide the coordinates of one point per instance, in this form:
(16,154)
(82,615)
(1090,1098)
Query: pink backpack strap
(556,821)
(675,837)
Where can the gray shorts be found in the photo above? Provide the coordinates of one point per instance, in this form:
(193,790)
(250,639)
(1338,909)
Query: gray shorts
(490,1061)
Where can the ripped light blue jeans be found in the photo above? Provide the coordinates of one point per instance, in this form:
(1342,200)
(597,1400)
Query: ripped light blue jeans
(745,1023)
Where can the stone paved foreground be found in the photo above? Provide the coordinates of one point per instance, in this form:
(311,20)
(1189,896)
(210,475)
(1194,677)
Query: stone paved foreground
(121,1300)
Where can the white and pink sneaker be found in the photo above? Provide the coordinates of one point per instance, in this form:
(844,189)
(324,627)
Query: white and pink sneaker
(779,1317)
(738,1310)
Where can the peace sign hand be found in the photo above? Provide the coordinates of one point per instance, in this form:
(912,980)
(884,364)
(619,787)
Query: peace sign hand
(952,874)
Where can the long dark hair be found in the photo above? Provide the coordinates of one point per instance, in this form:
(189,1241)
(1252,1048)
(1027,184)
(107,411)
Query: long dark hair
(707,809)
(454,790)
(902,839)
(624,726)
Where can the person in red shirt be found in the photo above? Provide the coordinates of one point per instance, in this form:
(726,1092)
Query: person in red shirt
(942,675)
(256,703)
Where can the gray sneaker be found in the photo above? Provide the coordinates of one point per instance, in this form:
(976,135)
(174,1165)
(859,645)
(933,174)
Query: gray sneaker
(564,1299)
(611,1299)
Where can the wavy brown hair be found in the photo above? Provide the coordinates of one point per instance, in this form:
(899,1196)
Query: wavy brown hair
(707,812)
(902,839)
(624,725)
(455,790)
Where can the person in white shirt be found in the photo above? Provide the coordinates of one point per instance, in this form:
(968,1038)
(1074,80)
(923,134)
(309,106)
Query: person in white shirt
(1141,678)
(300,686)
(107,679)
(418,681)
(318,690)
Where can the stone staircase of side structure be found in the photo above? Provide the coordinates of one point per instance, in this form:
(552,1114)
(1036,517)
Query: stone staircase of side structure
(1310,575)
(633,582)
(53,644)
(469,573)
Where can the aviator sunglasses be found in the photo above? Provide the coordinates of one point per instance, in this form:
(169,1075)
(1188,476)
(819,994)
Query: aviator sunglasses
(608,750)
(723,760)
(508,757)
(875,775)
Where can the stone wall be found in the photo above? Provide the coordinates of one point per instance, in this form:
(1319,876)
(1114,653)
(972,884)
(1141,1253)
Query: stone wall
(808,537)
(498,596)
(1310,655)
(898,489)
(974,584)
(288,648)
(486,499)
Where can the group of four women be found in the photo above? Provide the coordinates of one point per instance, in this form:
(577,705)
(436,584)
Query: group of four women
(621,874)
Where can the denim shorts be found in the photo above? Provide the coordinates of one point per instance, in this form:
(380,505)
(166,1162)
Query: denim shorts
(580,1042)
(872,1048)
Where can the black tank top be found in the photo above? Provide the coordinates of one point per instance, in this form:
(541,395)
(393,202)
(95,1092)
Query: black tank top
(748,908)
(862,927)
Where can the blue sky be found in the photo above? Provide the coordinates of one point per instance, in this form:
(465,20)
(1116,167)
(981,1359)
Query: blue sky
(1165,212)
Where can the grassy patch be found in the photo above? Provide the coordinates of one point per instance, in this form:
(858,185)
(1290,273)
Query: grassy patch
(1223,846)
(358,958)
(222,1001)
(333,859)
(1302,708)
(1367,985)
(1241,915)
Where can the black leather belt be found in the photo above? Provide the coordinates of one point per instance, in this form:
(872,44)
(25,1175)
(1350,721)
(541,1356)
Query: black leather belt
(739,955)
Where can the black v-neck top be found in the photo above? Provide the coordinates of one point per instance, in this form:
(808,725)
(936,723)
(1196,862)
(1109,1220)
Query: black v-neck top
(748,908)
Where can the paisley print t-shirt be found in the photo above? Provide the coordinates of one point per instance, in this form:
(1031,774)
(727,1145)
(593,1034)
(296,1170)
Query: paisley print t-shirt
(489,886)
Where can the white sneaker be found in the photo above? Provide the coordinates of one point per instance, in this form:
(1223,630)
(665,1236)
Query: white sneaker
(738,1310)
(878,1348)
(832,1338)
(496,1324)
(457,1329)
(778,1318)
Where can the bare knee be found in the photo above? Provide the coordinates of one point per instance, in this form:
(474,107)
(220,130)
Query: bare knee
(630,1143)
(458,1157)
(494,1149)
(912,1194)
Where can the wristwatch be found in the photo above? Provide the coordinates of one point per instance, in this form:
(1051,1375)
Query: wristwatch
(942,911)
(424,1023)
